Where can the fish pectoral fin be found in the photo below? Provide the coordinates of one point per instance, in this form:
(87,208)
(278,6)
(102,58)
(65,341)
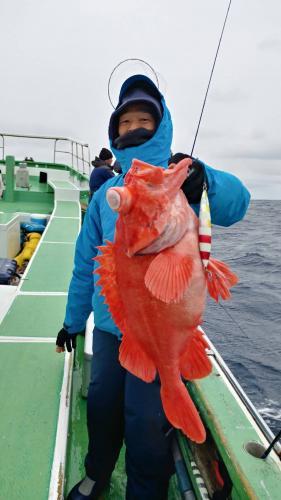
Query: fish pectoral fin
(168,275)
(194,362)
(219,279)
(135,360)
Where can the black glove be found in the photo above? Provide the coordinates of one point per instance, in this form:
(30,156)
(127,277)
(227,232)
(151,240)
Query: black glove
(66,339)
(193,185)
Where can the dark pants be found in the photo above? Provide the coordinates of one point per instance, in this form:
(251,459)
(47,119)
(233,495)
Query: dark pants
(121,406)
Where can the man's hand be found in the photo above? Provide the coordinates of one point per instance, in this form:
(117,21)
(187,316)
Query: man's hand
(193,184)
(65,339)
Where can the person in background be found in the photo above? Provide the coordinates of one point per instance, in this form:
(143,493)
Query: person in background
(120,406)
(103,170)
(117,167)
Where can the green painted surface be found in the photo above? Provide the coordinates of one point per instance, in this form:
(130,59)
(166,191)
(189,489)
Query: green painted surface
(231,430)
(63,185)
(27,206)
(78,442)
(67,209)
(34,316)
(78,436)
(64,230)
(6,217)
(51,268)
(30,385)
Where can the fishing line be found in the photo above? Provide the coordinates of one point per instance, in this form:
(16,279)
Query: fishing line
(234,320)
(211,75)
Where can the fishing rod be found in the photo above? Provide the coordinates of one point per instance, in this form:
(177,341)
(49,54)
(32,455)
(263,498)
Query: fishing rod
(275,440)
(210,79)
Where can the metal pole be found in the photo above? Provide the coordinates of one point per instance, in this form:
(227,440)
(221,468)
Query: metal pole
(55,147)
(77,163)
(82,154)
(10,179)
(3,146)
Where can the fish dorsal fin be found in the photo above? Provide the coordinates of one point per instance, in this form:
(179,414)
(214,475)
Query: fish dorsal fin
(168,275)
(108,283)
(132,357)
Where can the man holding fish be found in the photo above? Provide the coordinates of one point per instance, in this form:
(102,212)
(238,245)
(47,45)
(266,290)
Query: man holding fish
(147,287)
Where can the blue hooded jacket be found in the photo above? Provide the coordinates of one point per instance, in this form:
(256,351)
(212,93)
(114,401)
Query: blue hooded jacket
(228,199)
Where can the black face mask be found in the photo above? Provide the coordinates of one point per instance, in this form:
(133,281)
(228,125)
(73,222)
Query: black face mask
(133,138)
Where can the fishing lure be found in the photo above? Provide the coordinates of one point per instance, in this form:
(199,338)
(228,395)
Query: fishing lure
(205,229)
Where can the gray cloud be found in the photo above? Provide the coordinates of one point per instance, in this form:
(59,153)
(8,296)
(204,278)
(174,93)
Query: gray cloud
(271,44)
(273,153)
(55,83)
(233,95)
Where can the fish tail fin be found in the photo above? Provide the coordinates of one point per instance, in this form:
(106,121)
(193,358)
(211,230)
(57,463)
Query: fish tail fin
(181,411)
(219,279)
(194,362)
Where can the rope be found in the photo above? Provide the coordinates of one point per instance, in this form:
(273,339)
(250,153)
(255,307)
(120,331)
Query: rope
(211,75)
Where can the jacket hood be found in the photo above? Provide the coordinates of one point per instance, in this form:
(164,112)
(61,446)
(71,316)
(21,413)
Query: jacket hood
(156,150)
(97,162)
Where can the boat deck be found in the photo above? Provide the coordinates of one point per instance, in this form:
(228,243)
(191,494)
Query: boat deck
(35,382)
(24,203)
(32,373)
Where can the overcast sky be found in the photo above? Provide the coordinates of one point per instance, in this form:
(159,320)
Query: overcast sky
(57,55)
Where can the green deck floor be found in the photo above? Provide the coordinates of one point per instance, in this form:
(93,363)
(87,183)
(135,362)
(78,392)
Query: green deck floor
(62,185)
(29,199)
(6,217)
(67,209)
(27,207)
(51,269)
(31,374)
(59,230)
(30,385)
(78,442)
(46,314)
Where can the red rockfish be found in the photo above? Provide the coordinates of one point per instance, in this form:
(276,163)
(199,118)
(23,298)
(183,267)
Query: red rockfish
(155,286)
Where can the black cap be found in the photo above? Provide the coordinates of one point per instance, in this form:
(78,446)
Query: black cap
(105,154)
(137,89)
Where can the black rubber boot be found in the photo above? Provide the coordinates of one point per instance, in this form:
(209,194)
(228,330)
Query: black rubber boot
(87,489)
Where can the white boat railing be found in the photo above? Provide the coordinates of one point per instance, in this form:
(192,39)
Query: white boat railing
(243,397)
(79,152)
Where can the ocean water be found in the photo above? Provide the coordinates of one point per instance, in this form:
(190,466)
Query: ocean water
(246,330)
